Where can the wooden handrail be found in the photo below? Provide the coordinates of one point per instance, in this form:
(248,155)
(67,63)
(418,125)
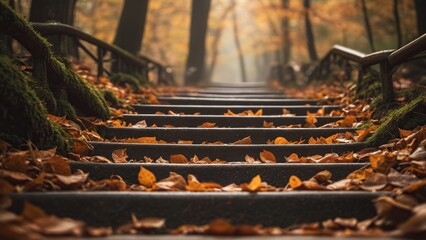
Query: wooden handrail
(142,64)
(388,60)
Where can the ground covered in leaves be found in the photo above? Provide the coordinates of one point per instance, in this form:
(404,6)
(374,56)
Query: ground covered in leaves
(399,167)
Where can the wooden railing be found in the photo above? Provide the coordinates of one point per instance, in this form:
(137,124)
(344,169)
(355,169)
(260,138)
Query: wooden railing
(123,60)
(387,59)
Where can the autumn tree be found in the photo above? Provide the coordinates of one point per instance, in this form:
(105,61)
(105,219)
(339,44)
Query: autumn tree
(309,32)
(421,16)
(197,41)
(367,25)
(130,30)
(238,45)
(56,11)
(285,26)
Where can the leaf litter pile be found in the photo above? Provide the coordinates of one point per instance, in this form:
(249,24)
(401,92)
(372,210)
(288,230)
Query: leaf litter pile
(398,167)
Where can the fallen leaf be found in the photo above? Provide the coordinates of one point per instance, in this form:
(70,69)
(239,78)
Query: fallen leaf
(281,140)
(253,185)
(207,125)
(375,182)
(146,177)
(32,212)
(246,140)
(267,157)
(220,227)
(58,165)
(178,158)
(119,156)
(148,223)
(172,183)
(268,124)
(294,182)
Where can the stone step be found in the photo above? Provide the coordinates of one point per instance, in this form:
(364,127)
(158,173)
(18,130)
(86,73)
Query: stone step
(225,135)
(235,101)
(241,96)
(221,120)
(274,174)
(178,208)
(222,109)
(230,153)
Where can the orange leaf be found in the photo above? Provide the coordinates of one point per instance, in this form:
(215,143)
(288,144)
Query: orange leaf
(185,142)
(146,177)
(331,139)
(404,133)
(294,182)
(347,122)
(229,113)
(254,183)
(268,124)
(267,157)
(259,112)
(293,158)
(207,125)
(178,158)
(281,140)
(312,140)
(246,140)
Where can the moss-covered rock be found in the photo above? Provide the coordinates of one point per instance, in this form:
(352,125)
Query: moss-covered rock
(408,116)
(22,114)
(85,98)
(111,98)
(123,79)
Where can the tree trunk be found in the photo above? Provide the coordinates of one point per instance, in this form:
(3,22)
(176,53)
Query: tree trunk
(238,45)
(130,30)
(285,26)
(215,44)
(397,23)
(197,41)
(59,11)
(309,33)
(421,16)
(367,25)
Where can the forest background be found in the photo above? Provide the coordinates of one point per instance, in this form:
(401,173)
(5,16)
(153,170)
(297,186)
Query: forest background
(260,30)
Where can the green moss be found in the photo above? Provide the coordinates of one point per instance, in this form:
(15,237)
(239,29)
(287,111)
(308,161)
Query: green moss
(44,94)
(111,98)
(123,79)
(402,117)
(80,94)
(65,109)
(370,85)
(22,114)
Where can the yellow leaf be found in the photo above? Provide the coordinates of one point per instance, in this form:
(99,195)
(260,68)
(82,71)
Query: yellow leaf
(294,182)
(254,183)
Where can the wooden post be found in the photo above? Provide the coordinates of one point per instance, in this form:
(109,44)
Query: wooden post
(100,61)
(387,83)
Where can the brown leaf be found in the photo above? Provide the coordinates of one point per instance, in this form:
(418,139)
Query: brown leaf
(267,157)
(375,182)
(178,158)
(148,223)
(76,179)
(246,140)
(293,158)
(59,226)
(268,124)
(57,165)
(14,177)
(119,156)
(81,147)
(36,183)
(310,122)
(173,182)
(220,227)
(15,161)
(140,124)
(416,224)
(391,211)
(146,177)
(99,231)
(6,187)
(207,125)
(32,212)
(185,142)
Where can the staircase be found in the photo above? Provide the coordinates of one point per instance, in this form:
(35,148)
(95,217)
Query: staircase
(273,208)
